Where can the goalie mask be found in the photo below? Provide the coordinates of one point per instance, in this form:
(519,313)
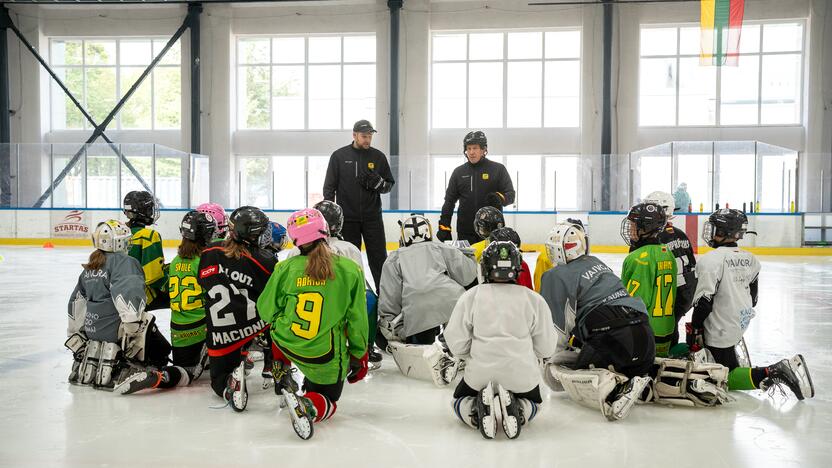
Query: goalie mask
(663,199)
(501,262)
(644,221)
(415,229)
(566,242)
(727,224)
(112,236)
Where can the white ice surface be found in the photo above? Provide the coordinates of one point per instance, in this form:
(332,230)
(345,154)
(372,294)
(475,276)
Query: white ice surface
(388,420)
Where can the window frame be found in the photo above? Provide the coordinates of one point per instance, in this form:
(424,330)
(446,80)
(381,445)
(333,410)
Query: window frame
(271,65)
(760,54)
(504,61)
(115,124)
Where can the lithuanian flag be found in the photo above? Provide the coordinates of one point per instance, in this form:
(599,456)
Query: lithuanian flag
(720,26)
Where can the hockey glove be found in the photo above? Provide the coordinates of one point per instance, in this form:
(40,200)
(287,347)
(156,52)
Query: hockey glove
(695,337)
(444,233)
(358,368)
(495,199)
(372,181)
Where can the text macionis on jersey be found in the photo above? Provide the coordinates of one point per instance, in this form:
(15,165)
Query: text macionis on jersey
(233,336)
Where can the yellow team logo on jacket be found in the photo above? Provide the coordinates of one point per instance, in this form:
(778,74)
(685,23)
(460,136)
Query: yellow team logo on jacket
(371,165)
(485,176)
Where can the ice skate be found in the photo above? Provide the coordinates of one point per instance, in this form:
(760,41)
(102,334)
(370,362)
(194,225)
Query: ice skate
(139,381)
(511,412)
(794,374)
(301,412)
(625,398)
(235,391)
(485,412)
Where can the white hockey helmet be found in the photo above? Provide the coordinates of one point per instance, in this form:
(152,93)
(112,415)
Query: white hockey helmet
(414,229)
(112,236)
(663,199)
(566,242)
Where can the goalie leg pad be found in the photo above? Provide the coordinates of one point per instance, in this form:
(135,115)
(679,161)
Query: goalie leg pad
(76,343)
(89,365)
(690,383)
(107,365)
(411,360)
(589,387)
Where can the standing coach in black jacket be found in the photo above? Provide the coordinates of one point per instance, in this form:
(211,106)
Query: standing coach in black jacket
(477,183)
(356,177)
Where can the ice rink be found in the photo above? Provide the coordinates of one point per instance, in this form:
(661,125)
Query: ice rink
(388,420)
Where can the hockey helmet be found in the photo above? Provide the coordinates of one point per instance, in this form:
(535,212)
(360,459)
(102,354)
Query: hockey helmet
(505,234)
(477,137)
(218,213)
(198,226)
(140,206)
(728,224)
(334,216)
(112,236)
(249,225)
(306,226)
(279,238)
(415,229)
(663,199)
(501,262)
(645,220)
(488,219)
(566,242)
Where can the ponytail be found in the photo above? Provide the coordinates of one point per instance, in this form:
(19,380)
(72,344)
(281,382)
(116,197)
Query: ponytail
(319,264)
(234,249)
(97,260)
(189,249)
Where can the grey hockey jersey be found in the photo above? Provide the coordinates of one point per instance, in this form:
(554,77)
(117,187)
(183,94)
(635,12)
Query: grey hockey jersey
(575,289)
(727,278)
(420,285)
(104,298)
(501,330)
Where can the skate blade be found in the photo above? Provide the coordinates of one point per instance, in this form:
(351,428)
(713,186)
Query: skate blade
(301,422)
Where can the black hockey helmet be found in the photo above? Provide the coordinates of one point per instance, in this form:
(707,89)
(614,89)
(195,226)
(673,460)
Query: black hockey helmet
(728,224)
(506,234)
(488,219)
(140,207)
(249,225)
(477,137)
(645,220)
(501,262)
(198,226)
(333,214)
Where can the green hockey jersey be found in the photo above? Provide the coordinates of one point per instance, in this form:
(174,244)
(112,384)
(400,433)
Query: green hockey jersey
(147,249)
(317,324)
(187,306)
(649,273)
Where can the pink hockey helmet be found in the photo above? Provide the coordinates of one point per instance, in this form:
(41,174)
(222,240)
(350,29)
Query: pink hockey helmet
(218,213)
(307,226)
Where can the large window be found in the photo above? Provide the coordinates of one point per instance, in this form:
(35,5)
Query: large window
(764,89)
(541,182)
(506,79)
(305,82)
(282,182)
(100,71)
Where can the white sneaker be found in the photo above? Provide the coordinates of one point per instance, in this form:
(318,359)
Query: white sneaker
(626,398)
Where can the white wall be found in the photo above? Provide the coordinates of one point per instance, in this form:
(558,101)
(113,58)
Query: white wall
(773,230)
(221,23)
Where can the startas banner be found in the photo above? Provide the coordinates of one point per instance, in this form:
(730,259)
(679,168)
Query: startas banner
(70,224)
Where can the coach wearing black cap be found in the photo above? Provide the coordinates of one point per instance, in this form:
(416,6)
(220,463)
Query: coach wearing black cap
(356,177)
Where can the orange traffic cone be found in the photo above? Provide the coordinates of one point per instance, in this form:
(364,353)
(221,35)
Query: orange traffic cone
(48,245)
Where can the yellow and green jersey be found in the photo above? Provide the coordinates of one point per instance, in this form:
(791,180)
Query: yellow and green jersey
(147,249)
(317,324)
(187,305)
(479,247)
(649,273)
(542,266)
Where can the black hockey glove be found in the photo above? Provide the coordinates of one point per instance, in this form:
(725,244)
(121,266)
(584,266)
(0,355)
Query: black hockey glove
(372,181)
(495,199)
(444,233)
(358,368)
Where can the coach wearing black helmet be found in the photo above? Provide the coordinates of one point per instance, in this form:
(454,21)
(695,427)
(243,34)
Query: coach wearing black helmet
(356,177)
(477,183)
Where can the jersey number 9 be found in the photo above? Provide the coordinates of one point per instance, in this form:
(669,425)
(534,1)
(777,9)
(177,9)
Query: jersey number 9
(308,310)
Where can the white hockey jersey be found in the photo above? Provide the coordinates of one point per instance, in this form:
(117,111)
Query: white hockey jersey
(338,247)
(501,330)
(420,285)
(725,277)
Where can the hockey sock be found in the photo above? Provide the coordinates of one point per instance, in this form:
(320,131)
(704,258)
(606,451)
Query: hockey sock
(174,376)
(530,409)
(746,378)
(323,406)
(277,355)
(464,410)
